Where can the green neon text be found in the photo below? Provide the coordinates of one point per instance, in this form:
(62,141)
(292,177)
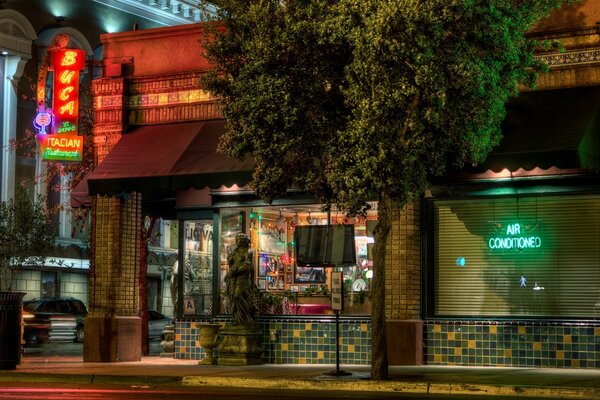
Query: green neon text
(514,240)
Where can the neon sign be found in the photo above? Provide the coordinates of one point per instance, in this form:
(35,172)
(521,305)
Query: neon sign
(61,147)
(64,144)
(516,237)
(65,99)
(41,121)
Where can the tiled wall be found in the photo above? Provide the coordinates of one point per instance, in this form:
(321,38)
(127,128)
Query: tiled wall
(305,341)
(558,345)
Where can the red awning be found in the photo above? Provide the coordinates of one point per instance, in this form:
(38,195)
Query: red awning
(158,160)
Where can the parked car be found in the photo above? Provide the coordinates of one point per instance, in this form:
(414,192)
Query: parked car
(60,305)
(156,324)
(76,308)
(43,327)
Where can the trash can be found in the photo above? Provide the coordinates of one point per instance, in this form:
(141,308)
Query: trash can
(11,304)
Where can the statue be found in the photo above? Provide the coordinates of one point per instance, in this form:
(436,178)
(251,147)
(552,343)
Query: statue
(240,342)
(240,284)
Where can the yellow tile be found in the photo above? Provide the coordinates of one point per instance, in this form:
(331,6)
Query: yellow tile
(437,328)
(560,355)
(296,333)
(521,330)
(472,344)
(457,351)
(302,360)
(537,346)
(575,363)
(284,347)
(182,349)
(178,336)
(493,329)
(567,339)
(364,327)
(320,355)
(596,331)
(451,335)
(437,358)
(507,353)
(351,348)
(308,326)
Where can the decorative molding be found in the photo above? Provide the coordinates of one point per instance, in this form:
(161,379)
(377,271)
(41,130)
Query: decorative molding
(179,113)
(164,12)
(581,57)
(164,83)
(169,99)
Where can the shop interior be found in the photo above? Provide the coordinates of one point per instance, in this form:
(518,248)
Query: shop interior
(287,282)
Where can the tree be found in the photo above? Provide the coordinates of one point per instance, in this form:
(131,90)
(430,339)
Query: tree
(26,235)
(362,100)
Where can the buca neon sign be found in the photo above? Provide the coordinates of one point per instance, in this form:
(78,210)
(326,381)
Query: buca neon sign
(516,237)
(58,138)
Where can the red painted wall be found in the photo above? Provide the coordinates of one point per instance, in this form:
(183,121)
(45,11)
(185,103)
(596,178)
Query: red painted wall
(159,51)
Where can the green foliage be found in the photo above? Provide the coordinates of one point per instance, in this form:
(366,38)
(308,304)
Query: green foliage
(26,235)
(361,100)
(352,99)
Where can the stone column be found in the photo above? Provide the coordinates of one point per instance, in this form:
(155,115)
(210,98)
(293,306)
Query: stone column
(113,327)
(403,288)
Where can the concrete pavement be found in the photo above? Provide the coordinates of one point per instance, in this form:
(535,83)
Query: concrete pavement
(153,371)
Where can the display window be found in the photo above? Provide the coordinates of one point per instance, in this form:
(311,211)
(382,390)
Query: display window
(287,285)
(197,269)
(521,257)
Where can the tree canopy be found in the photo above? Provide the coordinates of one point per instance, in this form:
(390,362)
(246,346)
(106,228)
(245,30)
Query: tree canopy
(361,100)
(26,235)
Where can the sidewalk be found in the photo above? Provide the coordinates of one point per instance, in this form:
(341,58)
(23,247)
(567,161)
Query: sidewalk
(152,371)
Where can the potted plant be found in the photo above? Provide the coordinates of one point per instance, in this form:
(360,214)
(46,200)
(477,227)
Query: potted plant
(26,238)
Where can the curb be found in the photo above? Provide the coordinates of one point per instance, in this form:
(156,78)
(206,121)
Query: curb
(396,387)
(314,385)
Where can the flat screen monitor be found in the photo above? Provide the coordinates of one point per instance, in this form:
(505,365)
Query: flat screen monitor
(325,245)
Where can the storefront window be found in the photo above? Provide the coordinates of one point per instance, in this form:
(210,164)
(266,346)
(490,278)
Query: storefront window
(197,269)
(517,257)
(284,285)
(50,286)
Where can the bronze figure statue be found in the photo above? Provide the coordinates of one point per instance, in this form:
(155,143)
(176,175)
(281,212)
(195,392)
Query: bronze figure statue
(240,284)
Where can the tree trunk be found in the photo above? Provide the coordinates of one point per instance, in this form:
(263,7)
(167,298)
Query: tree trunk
(379,358)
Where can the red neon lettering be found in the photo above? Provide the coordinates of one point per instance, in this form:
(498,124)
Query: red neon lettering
(69,107)
(66,92)
(66,76)
(70,58)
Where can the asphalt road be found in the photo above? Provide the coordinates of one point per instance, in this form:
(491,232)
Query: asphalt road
(18,391)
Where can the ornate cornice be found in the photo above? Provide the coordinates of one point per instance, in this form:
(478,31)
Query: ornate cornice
(164,12)
(571,58)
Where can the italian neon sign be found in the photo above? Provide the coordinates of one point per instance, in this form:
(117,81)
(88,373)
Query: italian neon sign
(63,142)
(61,147)
(516,236)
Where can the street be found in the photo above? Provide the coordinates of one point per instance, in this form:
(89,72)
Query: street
(21,391)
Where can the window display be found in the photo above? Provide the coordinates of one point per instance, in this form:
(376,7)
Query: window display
(285,285)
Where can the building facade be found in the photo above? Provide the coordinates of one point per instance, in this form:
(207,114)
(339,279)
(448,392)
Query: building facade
(497,264)
(28,28)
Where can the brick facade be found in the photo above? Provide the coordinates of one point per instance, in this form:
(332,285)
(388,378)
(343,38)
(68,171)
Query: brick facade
(403,262)
(114,256)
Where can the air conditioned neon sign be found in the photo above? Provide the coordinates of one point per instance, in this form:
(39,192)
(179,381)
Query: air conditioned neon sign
(516,237)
